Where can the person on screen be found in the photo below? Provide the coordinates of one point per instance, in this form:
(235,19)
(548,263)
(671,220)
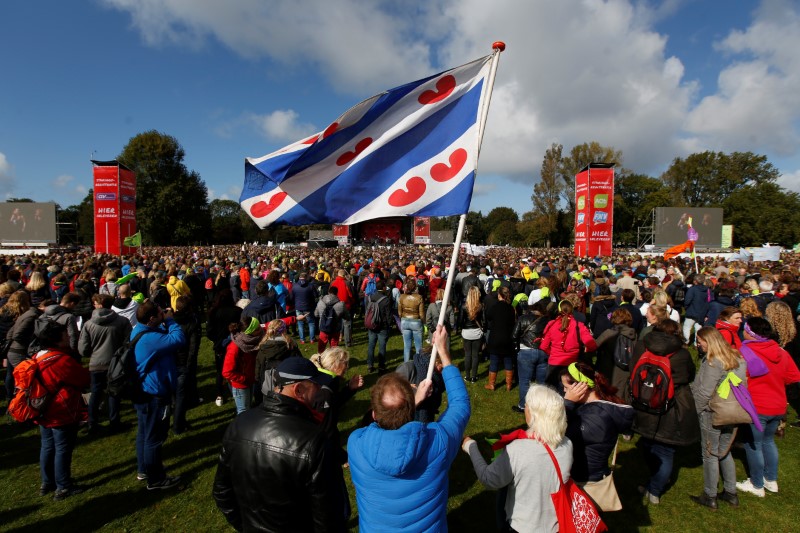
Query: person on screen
(17,222)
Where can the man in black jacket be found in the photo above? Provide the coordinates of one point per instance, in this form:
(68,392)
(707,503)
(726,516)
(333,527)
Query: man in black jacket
(277,470)
(379,334)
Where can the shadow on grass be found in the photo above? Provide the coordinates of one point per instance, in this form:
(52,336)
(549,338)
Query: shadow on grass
(10,515)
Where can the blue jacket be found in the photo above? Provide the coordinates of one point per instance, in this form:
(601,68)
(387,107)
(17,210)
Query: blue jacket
(155,357)
(697,303)
(401,476)
(305,296)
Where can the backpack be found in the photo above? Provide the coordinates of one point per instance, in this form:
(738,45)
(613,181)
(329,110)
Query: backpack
(372,316)
(209,284)
(327,321)
(371,286)
(679,298)
(623,350)
(31,397)
(123,379)
(651,387)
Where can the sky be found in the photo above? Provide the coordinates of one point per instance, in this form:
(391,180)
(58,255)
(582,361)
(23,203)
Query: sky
(654,79)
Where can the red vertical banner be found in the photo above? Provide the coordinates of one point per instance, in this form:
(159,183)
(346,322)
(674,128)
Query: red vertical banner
(114,207)
(582,217)
(422,230)
(127,207)
(601,209)
(341,232)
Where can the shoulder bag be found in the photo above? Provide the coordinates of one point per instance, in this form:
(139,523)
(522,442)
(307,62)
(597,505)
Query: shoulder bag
(604,492)
(574,509)
(725,407)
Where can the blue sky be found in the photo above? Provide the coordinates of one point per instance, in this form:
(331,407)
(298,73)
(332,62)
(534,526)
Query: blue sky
(656,80)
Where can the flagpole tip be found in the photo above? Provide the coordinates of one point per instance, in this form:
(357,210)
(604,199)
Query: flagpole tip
(499,45)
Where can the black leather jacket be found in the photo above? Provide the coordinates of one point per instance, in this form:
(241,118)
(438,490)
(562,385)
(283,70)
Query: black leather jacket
(277,471)
(529,329)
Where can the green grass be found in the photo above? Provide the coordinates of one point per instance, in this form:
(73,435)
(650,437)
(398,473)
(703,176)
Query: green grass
(115,501)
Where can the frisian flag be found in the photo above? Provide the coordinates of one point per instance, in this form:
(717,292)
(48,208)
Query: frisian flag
(411,150)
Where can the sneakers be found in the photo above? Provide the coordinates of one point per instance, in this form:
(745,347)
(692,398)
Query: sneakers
(166,483)
(517,409)
(301,341)
(218,401)
(141,476)
(747,486)
(44,490)
(771,486)
(61,494)
(651,498)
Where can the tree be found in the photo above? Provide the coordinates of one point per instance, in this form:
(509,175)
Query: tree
(546,196)
(171,201)
(763,212)
(475,232)
(226,225)
(635,197)
(502,224)
(532,229)
(708,178)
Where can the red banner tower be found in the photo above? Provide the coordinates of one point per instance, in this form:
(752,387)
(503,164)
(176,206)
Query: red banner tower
(114,207)
(594,210)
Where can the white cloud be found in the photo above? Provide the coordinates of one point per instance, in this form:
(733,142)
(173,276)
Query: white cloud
(790,181)
(282,125)
(574,71)
(62,181)
(7,181)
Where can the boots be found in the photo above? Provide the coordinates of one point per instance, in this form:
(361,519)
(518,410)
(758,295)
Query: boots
(730,497)
(509,379)
(705,500)
(492,381)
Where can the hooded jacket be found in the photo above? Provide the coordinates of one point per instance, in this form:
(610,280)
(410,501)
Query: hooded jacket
(65,317)
(679,426)
(155,357)
(126,307)
(176,288)
(697,302)
(599,318)
(401,475)
(304,292)
(715,308)
(100,337)
(563,346)
(66,379)
(239,367)
(730,333)
(769,391)
(21,335)
(593,428)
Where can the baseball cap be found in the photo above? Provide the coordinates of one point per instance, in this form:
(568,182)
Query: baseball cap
(296,369)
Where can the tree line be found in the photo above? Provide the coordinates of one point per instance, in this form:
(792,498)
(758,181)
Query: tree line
(173,208)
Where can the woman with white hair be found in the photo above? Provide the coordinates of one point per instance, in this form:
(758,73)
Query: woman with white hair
(524,466)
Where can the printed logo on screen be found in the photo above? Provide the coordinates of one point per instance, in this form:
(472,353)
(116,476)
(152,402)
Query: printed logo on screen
(581,218)
(581,202)
(601,201)
(105,196)
(600,217)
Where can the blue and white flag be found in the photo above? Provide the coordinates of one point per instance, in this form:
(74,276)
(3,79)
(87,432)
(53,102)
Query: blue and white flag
(411,150)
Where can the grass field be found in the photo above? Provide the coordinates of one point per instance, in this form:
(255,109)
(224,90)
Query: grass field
(116,501)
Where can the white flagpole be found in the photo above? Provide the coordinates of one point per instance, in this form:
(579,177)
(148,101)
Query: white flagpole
(498,47)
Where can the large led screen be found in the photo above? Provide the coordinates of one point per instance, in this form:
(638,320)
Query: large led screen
(672,224)
(27,222)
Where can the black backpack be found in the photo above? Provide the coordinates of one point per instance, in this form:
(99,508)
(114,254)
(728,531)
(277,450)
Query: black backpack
(372,317)
(123,379)
(679,297)
(327,322)
(623,350)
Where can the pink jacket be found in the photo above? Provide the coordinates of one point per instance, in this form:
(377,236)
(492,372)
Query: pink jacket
(563,346)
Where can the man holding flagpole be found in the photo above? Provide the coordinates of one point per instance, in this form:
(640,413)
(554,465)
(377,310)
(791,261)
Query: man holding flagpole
(400,467)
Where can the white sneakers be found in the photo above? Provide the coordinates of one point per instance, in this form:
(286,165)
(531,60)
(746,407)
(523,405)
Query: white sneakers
(747,486)
(771,486)
(218,401)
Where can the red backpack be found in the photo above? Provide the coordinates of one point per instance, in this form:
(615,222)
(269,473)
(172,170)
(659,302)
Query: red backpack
(31,397)
(651,387)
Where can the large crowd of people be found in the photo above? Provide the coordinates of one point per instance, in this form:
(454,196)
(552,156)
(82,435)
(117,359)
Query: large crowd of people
(599,348)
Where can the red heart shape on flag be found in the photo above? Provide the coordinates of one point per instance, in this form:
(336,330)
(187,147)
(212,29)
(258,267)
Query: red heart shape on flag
(349,156)
(261,208)
(330,129)
(416,188)
(441,172)
(444,87)
(311,140)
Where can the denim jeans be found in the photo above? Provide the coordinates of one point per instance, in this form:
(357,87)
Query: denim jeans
(715,441)
(412,330)
(761,451)
(153,426)
(219,361)
(659,458)
(347,332)
(301,325)
(380,337)
(99,381)
(531,366)
(55,457)
(241,398)
(494,362)
(472,355)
